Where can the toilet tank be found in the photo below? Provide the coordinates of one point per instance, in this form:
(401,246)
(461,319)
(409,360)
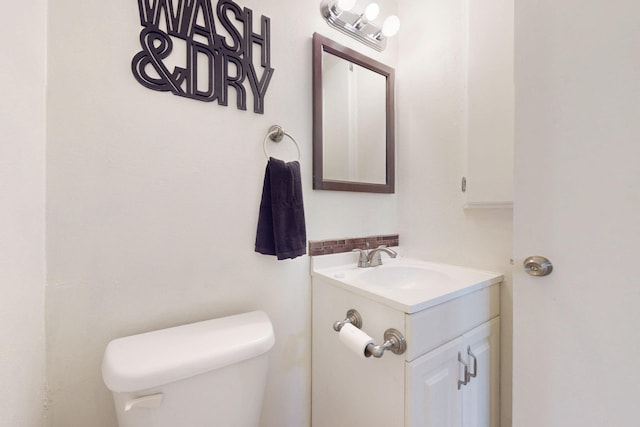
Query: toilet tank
(210,373)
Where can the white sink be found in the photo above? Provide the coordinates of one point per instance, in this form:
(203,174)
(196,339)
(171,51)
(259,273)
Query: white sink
(408,284)
(399,276)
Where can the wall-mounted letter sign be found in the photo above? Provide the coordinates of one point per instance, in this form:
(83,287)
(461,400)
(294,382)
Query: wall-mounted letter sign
(217,53)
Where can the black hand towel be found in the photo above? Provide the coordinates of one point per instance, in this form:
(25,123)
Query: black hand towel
(281,227)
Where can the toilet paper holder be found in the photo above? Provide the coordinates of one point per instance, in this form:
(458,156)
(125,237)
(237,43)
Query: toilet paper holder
(394,341)
(353,317)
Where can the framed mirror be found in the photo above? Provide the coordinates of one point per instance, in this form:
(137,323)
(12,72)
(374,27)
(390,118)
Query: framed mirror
(353,120)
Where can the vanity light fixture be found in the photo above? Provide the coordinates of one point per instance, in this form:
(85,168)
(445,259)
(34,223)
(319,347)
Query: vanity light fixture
(357,19)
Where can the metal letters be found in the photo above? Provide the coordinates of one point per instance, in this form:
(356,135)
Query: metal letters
(215,60)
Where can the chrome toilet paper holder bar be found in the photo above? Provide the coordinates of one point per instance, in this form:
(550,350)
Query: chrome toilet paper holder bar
(394,341)
(353,317)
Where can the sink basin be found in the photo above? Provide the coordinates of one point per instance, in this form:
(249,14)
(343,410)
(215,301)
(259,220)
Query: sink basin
(403,277)
(408,284)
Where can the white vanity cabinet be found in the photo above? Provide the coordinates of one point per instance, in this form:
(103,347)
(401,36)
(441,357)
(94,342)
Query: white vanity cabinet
(436,393)
(420,387)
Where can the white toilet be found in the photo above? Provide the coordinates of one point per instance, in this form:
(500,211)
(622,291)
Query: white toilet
(204,374)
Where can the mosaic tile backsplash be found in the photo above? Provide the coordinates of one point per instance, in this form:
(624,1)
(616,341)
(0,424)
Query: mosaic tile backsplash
(334,246)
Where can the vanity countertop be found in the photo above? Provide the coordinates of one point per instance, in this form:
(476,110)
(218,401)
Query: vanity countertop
(406,284)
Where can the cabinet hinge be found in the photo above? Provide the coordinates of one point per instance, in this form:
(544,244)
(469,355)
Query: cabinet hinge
(464,184)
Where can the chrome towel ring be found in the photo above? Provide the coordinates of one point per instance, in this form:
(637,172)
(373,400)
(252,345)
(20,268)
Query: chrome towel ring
(276,133)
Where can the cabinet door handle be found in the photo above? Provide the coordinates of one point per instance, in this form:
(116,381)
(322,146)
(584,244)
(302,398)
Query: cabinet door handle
(475,363)
(466,372)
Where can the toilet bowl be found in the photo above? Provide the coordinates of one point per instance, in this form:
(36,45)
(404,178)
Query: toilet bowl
(204,374)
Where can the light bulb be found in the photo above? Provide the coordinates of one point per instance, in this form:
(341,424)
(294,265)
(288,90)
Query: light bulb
(372,11)
(391,26)
(346,4)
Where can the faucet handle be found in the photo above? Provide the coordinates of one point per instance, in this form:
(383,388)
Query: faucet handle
(362,257)
(374,259)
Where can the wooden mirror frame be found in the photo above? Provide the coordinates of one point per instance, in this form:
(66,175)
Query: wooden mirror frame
(322,44)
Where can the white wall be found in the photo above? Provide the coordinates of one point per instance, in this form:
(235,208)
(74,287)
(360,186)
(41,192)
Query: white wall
(431,157)
(153,204)
(22,198)
(153,199)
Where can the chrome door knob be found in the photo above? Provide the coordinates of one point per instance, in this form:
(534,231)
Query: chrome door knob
(538,266)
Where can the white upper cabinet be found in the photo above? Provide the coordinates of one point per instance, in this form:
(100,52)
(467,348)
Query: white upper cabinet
(490,104)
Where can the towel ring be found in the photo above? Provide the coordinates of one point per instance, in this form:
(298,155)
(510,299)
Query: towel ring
(276,133)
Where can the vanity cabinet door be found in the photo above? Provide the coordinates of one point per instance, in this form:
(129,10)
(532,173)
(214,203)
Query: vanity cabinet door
(433,398)
(481,396)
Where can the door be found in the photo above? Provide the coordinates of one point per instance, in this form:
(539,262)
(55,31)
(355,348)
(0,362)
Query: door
(577,202)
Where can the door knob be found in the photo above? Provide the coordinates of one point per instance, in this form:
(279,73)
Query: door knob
(538,266)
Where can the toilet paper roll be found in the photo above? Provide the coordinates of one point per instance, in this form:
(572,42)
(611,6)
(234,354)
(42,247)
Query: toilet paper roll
(355,340)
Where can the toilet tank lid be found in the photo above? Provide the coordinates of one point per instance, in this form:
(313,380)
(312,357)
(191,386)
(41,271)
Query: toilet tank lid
(151,359)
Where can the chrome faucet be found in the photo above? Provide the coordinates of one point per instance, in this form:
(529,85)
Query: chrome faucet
(372,258)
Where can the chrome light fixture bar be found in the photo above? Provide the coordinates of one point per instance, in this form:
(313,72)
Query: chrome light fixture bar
(359,25)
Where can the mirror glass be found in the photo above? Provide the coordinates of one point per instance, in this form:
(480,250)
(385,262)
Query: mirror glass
(353,120)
